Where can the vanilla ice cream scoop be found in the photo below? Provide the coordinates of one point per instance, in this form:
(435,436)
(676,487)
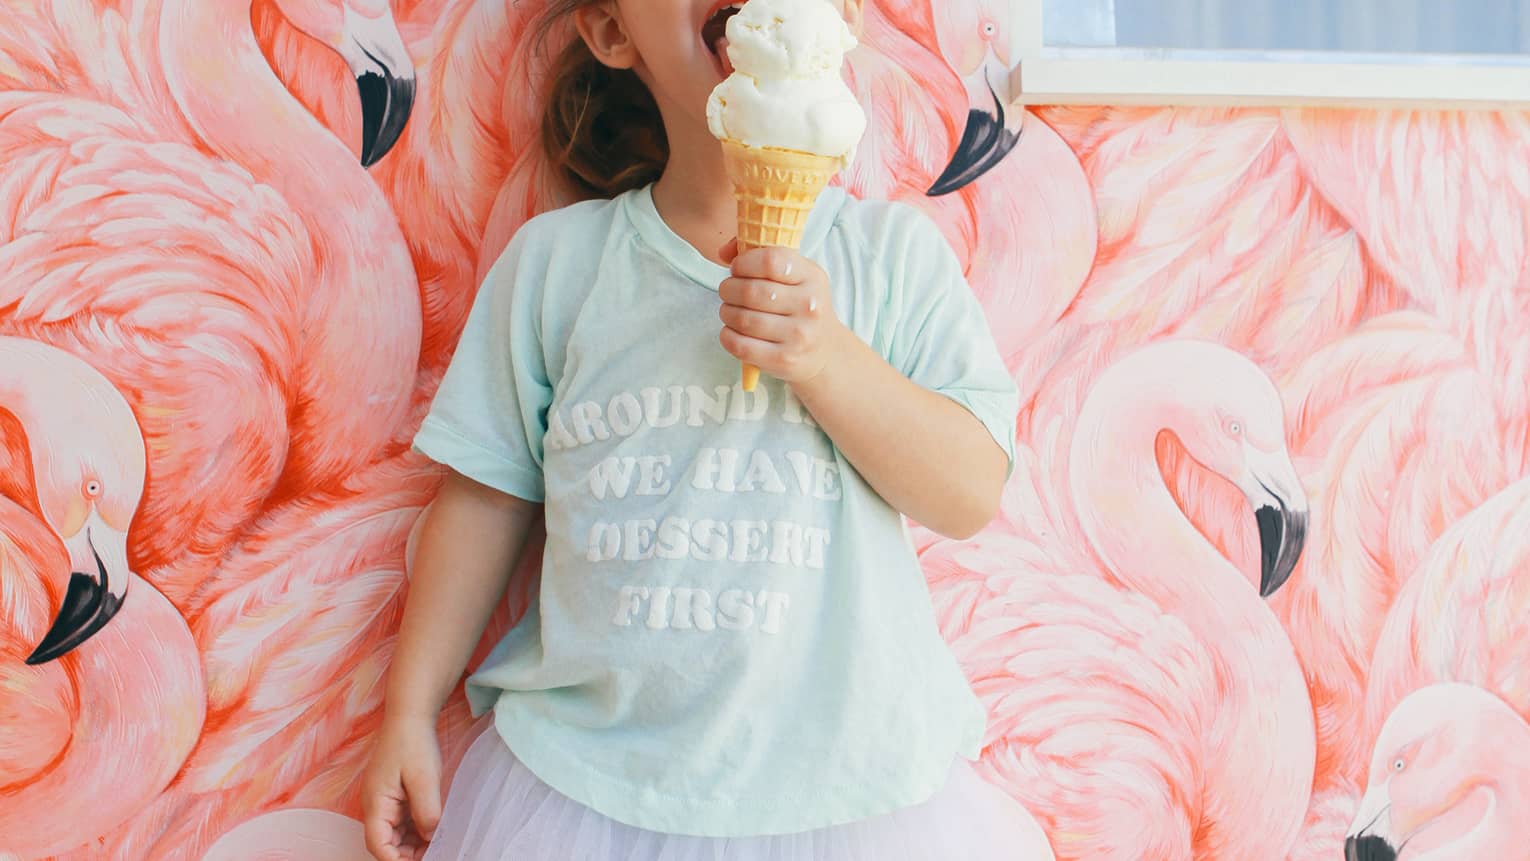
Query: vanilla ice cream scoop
(787,90)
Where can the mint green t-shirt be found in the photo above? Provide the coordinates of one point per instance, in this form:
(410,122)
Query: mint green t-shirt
(732,634)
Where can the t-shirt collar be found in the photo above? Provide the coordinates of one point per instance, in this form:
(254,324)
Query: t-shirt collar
(693,264)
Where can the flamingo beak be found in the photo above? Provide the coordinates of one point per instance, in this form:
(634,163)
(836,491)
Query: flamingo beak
(987,138)
(375,52)
(1368,835)
(1368,848)
(92,599)
(1280,508)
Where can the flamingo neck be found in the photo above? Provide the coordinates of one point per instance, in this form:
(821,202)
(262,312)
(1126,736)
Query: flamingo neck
(1497,834)
(359,320)
(239,108)
(1136,527)
(241,111)
(1502,832)
(1147,543)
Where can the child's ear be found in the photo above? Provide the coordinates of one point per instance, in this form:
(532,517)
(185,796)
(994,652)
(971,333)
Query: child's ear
(855,16)
(601,27)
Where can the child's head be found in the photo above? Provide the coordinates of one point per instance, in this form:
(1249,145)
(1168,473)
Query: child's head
(601,130)
(639,72)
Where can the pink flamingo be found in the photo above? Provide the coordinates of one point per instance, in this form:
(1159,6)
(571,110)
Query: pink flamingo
(164,323)
(364,313)
(112,699)
(1101,701)
(1212,228)
(1473,577)
(1038,232)
(1450,779)
(245,280)
(295,834)
(452,167)
(1207,230)
(295,635)
(126,175)
(1415,419)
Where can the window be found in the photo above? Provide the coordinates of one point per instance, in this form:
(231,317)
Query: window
(1418,52)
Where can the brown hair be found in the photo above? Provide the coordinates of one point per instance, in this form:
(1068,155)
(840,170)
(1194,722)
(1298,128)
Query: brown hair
(601,132)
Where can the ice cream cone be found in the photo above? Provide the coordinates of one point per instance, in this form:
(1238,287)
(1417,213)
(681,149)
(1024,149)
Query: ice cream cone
(776,190)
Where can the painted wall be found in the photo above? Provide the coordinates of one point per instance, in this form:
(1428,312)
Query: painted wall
(1273,473)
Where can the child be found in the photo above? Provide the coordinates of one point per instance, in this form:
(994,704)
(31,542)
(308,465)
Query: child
(731,653)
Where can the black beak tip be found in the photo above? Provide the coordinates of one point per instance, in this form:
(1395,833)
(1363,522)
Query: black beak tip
(386,103)
(1282,533)
(87,607)
(985,142)
(1368,847)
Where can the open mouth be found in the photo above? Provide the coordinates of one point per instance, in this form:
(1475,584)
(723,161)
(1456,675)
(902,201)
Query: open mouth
(714,34)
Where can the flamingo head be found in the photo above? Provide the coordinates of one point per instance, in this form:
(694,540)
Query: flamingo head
(1431,783)
(1228,415)
(89,501)
(366,35)
(980,42)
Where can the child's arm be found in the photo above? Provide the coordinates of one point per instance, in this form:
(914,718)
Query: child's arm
(469,544)
(923,452)
(468,548)
(927,455)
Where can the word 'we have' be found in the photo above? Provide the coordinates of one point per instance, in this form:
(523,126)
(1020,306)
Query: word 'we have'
(725,470)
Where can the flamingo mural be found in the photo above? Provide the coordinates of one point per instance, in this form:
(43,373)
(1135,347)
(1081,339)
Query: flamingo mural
(111,695)
(1450,773)
(1149,743)
(1263,541)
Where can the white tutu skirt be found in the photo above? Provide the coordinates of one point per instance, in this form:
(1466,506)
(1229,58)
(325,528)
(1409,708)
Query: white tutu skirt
(497,810)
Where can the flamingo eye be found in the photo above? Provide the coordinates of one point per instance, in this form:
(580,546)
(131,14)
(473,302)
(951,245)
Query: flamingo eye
(1233,427)
(989,28)
(92,488)
(1399,764)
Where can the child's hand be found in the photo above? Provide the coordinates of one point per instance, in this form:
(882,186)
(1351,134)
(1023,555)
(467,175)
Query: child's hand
(778,313)
(401,791)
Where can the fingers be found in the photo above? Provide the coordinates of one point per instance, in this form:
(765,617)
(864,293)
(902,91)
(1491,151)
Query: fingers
(782,265)
(383,824)
(767,296)
(762,354)
(774,328)
(423,786)
(729,251)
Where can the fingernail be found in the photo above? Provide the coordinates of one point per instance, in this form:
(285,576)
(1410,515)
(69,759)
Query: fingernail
(812,304)
(772,297)
(787,272)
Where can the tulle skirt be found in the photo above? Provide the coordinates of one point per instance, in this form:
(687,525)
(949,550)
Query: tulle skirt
(497,810)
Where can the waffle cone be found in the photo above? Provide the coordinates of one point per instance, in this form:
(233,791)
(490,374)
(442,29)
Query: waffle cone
(776,190)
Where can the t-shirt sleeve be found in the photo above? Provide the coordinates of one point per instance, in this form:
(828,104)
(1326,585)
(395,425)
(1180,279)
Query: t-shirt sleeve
(490,414)
(940,338)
